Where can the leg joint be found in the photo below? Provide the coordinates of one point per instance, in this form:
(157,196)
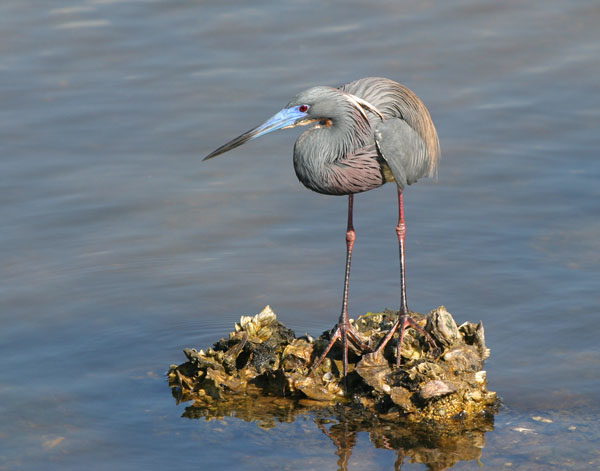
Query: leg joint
(401,229)
(350,236)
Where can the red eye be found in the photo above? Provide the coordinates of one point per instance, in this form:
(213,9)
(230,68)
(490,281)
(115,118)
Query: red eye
(303,108)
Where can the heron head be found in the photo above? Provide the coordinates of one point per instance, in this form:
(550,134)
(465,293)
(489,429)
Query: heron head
(309,106)
(315,105)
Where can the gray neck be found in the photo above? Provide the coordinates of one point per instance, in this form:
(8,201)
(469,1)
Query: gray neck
(343,131)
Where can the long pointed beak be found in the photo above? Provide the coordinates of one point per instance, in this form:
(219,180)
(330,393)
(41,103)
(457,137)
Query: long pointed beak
(285,118)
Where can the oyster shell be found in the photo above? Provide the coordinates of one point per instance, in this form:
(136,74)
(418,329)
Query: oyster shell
(263,358)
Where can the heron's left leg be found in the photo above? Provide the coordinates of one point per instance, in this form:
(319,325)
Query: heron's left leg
(344,330)
(404,318)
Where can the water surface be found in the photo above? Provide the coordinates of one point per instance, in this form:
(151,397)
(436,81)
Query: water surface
(120,247)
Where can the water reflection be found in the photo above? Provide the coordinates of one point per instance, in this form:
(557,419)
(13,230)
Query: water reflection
(437,446)
(436,449)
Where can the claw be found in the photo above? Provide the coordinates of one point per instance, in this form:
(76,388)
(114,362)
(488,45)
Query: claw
(344,332)
(403,322)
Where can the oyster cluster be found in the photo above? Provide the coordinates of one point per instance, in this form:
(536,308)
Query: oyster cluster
(263,362)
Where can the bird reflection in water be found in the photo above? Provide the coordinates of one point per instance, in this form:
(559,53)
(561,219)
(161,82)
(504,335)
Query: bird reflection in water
(438,446)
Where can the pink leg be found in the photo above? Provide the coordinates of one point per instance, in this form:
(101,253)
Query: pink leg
(344,329)
(404,319)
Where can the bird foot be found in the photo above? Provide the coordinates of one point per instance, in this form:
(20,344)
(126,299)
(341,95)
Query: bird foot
(404,321)
(349,336)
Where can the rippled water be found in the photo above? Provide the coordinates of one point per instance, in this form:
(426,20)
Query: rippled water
(120,247)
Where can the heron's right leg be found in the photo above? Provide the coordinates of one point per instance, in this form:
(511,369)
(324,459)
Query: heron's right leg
(404,319)
(344,330)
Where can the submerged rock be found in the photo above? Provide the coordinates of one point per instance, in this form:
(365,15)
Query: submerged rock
(263,364)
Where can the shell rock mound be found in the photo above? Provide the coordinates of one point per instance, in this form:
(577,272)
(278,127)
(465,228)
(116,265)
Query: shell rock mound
(263,363)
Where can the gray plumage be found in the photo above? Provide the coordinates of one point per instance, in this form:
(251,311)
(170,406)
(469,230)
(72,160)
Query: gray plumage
(350,150)
(407,139)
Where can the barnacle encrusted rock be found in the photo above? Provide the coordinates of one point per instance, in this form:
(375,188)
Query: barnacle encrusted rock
(263,359)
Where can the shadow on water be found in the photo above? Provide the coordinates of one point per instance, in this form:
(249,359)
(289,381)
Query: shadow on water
(437,446)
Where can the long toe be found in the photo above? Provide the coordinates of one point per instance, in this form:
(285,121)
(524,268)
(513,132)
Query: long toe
(334,338)
(349,337)
(357,342)
(412,323)
(405,321)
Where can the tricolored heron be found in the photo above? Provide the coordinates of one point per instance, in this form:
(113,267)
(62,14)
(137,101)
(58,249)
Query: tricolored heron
(363,134)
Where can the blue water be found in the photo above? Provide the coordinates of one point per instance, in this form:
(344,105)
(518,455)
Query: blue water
(120,247)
